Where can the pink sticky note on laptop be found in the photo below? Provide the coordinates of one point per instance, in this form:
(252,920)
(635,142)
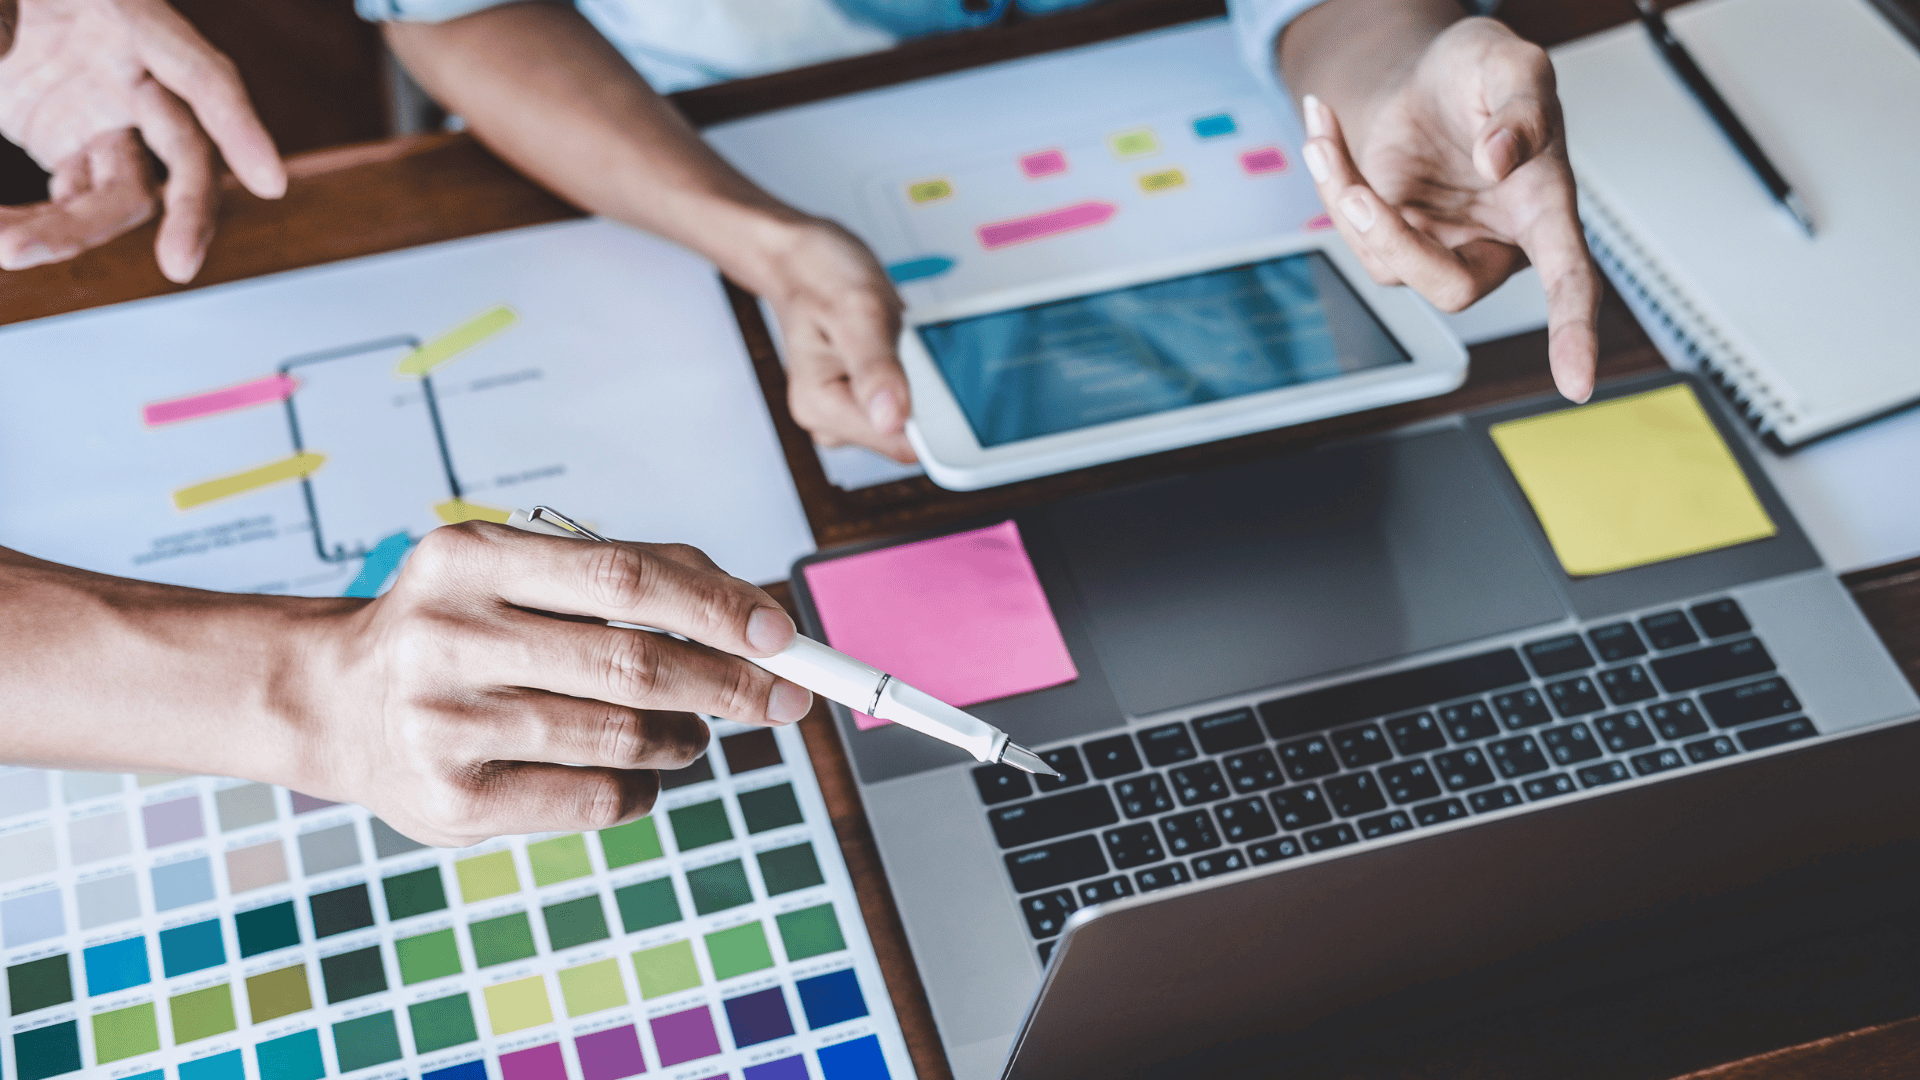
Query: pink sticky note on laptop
(962,617)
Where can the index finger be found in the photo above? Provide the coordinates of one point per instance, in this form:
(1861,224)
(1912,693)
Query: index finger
(1557,247)
(183,62)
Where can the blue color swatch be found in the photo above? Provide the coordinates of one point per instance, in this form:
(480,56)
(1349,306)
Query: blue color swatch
(182,883)
(1212,127)
(293,1057)
(831,998)
(190,948)
(227,1066)
(466,1070)
(787,1068)
(117,965)
(856,1059)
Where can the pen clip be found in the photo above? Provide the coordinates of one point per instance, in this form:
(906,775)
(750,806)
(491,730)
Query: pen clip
(554,517)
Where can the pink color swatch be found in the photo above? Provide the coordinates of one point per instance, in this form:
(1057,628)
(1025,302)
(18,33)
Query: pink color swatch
(1319,222)
(214,402)
(1264,160)
(962,617)
(538,1063)
(999,234)
(684,1036)
(612,1054)
(1044,163)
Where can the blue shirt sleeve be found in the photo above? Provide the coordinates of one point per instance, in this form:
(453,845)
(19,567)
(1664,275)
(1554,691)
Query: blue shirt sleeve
(1257,25)
(429,11)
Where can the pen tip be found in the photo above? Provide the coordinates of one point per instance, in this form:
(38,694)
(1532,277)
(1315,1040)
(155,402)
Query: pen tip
(1027,761)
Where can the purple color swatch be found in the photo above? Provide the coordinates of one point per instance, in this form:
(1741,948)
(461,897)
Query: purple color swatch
(684,1036)
(172,822)
(759,1017)
(613,1054)
(307,804)
(537,1063)
(787,1068)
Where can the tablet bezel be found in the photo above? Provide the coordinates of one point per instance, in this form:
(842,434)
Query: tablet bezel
(954,458)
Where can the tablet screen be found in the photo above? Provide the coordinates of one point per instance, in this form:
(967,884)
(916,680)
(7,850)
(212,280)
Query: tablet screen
(1148,348)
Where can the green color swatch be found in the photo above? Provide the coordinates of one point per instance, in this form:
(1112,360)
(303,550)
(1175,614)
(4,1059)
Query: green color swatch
(701,824)
(810,932)
(441,1023)
(590,988)
(719,887)
(789,868)
(667,969)
(502,940)
(37,984)
(47,1051)
(562,858)
(770,808)
(634,842)
(202,1014)
(739,950)
(415,894)
(576,922)
(266,929)
(428,956)
(352,975)
(125,1033)
(366,1040)
(484,877)
(283,992)
(647,904)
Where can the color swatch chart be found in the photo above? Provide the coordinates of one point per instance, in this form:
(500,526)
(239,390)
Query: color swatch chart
(161,926)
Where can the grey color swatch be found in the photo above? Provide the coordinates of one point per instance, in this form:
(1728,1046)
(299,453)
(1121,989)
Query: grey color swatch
(101,837)
(108,900)
(387,842)
(24,854)
(31,918)
(81,786)
(22,792)
(182,883)
(248,804)
(329,849)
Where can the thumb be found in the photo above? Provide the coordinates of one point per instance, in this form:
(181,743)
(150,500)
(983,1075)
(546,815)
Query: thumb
(1523,114)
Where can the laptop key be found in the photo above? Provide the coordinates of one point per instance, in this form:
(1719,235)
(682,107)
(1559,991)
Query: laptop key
(1055,865)
(1752,701)
(1468,721)
(1269,851)
(1046,951)
(1255,770)
(1759,738)
(1415,734)
(1047,913)
(1001,783)
(1676,719)
(1434,813)
(1709,749)
(1354,793)
(1142,795)
(1516,757)
(1133,845)
(1226,731)
(1298,807)
(1617,641)
(1570,744)
(1521,709)
(1558,655)
(1361,746)
(1493,799)
(1393,821)
(1574,697)
(1112,757)
(1463,769)
(1408,781)
(1332,836)
(1607,772)
(1218,862)
(1055,815)
(1546,787)
(1626,685)
(1657,761)
(1196,784)
(1669,630)
(1721,618)
(1305,759)
(1168,744)
(1624,731)
(1159,877)
(1244,820)
(1113,888)
(1714,664)
(1189,832)
(1065,761)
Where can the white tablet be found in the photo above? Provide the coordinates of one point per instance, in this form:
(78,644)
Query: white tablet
(1132,361)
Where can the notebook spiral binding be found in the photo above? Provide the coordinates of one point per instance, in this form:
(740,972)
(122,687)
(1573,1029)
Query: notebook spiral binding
(1631,268)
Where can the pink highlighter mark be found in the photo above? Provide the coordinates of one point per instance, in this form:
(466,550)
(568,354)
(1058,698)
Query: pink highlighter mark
(1319,222)
(215,402)
(962,617)
(1044,163)
(999,234)
(1267,159)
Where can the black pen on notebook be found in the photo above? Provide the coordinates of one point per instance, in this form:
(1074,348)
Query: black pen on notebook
(833,674)
(1682,63)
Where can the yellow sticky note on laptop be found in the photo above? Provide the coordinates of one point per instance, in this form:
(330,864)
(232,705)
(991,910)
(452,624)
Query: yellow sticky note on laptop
(1632,481)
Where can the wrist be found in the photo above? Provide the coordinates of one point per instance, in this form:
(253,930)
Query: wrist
(755,244)
(1356,54)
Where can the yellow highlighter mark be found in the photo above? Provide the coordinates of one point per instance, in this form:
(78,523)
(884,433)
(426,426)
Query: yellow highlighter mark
(1137,142)
(1632,481)
(927,191)
(455,511)
(424,359)
(1164,180)
(238,483)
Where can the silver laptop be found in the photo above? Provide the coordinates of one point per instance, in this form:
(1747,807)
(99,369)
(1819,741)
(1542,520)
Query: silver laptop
(1343,729)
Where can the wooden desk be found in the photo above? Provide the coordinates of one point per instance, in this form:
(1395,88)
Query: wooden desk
(384,196)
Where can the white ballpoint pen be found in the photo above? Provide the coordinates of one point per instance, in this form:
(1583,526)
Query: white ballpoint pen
(833,674)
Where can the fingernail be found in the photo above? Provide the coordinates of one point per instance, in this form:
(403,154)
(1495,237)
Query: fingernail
(31,255)
(769,629)
(1358,213)
(1316,156)
(884,412)
(1500,153)
(787,703)
(1316,116)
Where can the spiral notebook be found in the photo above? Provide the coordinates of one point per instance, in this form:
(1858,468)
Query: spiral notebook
(1809,336)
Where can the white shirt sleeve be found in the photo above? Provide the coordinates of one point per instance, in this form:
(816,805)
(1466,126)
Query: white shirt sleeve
(427,11)
(1257,25)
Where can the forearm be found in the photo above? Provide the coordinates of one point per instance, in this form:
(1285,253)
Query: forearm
(1349,52)
(541,87)
(106,673)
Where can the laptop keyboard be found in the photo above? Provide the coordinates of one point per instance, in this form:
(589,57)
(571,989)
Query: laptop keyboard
(1144,810)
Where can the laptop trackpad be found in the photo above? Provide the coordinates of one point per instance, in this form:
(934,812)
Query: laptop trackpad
(1206,586)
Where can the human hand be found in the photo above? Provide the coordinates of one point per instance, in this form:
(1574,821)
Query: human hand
(85,85)
(444,704)
(1456,175)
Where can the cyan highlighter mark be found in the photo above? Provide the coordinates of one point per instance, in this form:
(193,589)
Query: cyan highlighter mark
(380,564)
(926,266)
(1047,223)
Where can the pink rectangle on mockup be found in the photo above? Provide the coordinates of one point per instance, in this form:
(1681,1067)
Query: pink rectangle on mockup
(1264,160)
(962,617)
(1049,223)
(539,1063)
(214,402)
(1044,163)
